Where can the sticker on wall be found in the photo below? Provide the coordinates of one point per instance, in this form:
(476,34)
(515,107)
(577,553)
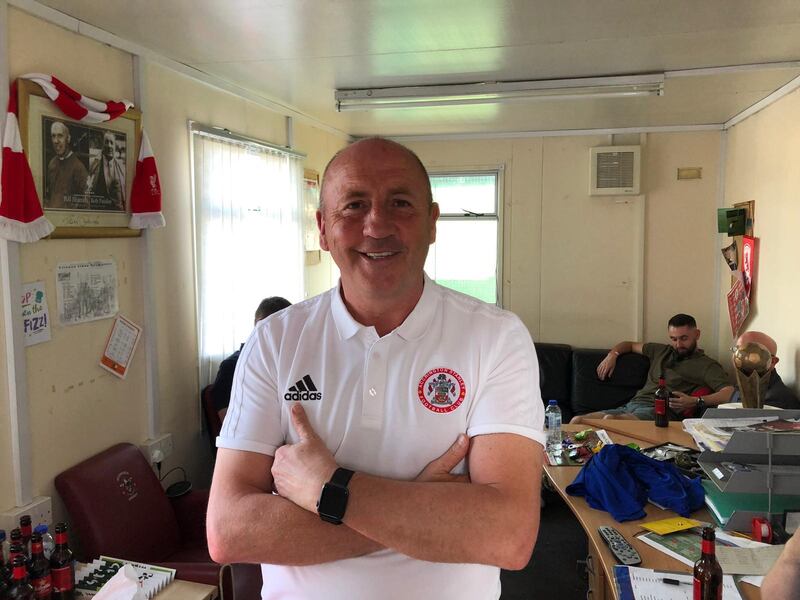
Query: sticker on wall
(35,316)
(120,346)
(738,306)
(87,291)
(748,262)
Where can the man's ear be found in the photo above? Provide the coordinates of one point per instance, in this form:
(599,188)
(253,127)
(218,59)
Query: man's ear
(697,336)
(434,218)
(323,239)
(774,362)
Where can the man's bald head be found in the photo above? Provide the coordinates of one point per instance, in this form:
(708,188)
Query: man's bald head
(368,147)
(762,338)
(59,135)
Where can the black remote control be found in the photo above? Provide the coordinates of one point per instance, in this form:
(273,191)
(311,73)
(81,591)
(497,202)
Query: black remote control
(620,547)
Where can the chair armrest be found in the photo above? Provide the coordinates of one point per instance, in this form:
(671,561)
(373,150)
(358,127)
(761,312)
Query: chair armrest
(240,581)
(190,513)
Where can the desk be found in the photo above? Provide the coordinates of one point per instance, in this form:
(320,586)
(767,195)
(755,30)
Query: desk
(187,590)
(601,561)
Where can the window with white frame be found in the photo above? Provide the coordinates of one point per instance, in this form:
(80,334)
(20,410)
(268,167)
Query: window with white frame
(248,237)
(465,255)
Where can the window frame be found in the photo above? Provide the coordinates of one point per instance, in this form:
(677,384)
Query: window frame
(499,194)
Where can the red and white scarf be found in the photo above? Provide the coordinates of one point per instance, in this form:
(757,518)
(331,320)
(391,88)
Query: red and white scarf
(21,216)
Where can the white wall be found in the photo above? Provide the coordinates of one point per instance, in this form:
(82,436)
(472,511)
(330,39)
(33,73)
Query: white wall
(763,153)
(76,408)
(571,261)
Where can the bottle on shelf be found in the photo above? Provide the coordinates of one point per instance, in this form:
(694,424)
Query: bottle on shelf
(47,540)
(26,530)
(19,589)
(39,569)
(707,572)
(15,537)
(62,567)
(662,403)
(4,544)
(15,550)
(552,423)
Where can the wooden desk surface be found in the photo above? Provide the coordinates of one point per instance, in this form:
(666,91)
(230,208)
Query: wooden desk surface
(645,430)
(590,519)
(187,590)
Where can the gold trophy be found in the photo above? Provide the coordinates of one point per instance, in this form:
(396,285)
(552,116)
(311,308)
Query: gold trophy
(752,361)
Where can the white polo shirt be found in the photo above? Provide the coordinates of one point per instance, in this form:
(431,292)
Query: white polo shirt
(385,406)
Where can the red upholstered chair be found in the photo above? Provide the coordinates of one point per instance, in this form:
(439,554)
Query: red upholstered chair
(118,508)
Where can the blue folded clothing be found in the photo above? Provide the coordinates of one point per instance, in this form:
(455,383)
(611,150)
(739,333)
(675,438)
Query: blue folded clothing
(620,480)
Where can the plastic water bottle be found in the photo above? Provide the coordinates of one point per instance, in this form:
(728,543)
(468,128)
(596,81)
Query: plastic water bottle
(552,423)
(47,540)
(4,545)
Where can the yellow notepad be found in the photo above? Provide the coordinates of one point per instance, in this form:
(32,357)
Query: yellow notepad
(671,525)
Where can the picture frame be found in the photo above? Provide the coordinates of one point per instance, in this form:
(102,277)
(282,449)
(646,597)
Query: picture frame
(83,172)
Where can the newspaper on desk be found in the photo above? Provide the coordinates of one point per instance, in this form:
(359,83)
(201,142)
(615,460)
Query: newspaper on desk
(714,434)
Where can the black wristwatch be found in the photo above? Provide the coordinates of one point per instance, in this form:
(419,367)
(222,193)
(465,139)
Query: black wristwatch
(701,404)
(333,500)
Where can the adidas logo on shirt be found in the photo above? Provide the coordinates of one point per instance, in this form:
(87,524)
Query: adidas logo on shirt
(304,389)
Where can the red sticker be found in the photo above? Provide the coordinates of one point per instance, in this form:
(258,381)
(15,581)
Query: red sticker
(441,390)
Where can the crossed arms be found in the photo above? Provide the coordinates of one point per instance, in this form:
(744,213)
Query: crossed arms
(492,517)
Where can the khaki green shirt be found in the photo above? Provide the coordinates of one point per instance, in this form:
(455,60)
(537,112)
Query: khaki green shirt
(685,375)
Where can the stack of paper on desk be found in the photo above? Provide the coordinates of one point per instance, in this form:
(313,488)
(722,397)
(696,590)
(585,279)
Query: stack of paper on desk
(714,434)
(636,583)
(685,545)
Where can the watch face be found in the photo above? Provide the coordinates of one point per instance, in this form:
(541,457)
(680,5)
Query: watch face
(332,503)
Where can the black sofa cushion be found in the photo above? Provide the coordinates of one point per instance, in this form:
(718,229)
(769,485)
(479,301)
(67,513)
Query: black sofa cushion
(590,394)
(555,366)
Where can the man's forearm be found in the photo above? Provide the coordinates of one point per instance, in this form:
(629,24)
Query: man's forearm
(445,522)
(720,397)
(286,534)
(621,348)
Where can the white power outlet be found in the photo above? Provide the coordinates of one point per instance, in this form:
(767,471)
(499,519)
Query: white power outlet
(157,449)
(40,509)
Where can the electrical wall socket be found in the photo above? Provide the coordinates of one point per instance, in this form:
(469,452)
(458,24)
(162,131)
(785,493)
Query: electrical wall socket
(162,443)
(40,509)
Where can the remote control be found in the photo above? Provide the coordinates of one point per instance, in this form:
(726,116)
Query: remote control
(620,547)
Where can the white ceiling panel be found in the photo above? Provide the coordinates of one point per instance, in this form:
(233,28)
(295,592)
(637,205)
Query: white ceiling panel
(298,52)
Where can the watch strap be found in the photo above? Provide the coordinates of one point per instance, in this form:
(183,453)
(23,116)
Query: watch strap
(341,477)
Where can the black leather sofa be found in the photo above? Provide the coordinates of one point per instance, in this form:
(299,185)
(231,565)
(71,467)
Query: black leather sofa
(569,376)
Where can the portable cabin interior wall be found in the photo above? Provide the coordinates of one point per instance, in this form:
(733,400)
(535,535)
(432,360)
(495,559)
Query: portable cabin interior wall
(570,270)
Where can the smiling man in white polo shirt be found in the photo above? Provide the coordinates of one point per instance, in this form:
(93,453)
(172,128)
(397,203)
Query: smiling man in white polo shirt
(356,407)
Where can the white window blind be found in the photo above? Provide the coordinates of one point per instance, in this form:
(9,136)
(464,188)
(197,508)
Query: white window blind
(248,238)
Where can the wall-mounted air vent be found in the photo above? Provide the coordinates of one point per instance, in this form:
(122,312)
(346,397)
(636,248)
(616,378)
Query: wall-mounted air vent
(615,170)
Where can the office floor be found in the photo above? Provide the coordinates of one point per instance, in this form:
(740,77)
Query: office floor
(553,571)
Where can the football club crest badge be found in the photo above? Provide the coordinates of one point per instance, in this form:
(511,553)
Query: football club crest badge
(441,390)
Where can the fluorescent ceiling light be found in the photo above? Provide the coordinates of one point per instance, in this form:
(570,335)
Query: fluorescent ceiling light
(500,91)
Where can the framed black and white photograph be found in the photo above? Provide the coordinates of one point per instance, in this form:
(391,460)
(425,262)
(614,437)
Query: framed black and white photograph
(83,172)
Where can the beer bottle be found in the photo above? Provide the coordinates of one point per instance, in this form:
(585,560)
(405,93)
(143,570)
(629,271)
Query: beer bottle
(707,572)
(62,567)
(26,530)
(15,537)
(15,550)
(39,569)
(20,589)
(661,403)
